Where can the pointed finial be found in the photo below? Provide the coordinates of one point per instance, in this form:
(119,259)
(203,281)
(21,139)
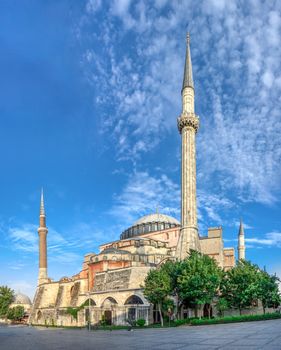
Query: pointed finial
(241,227)
(187,38)
(42,207)
(187,76)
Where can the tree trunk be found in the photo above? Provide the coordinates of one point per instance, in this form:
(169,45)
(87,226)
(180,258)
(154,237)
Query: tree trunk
(263,307)
(198,311)
(160,313)
(177,307)
(240,312)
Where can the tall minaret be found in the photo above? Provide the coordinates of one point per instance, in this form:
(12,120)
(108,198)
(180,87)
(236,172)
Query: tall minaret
(241,242)
(188,124)
(42,232)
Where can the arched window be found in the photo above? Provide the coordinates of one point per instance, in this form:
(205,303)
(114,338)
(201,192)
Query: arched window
(39,315)
(133,299)
(86,302)
(109,302)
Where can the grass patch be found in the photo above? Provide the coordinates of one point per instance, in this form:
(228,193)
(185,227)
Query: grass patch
(233,319)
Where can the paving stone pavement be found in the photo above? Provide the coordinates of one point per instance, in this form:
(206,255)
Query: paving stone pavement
(247,336)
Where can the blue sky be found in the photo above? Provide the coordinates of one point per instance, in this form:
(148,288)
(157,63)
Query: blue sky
(90,93)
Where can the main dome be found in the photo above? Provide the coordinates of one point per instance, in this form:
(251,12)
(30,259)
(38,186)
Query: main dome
(150,223)
(156,218)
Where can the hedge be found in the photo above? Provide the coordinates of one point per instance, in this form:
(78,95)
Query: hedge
(232,319)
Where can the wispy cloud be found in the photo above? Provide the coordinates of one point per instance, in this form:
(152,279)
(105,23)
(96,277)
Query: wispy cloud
(63,248)
(24,237)
(271,239)
(143,194)
(22,286)
(237,78)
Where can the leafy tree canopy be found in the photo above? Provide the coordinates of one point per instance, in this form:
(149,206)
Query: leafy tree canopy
(15,313)
(199,279)
(6,298)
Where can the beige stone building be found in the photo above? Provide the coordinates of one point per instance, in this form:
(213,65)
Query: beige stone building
(110,282)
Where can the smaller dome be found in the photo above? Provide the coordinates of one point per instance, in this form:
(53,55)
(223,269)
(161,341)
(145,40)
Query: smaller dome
(21,299)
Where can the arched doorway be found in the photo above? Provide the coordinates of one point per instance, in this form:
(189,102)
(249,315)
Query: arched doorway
(39,316)
(108,317)
(109,305)
(208,311)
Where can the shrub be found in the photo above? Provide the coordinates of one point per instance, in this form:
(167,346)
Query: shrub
(232,319)
(184,321)
(73,311)
(140,322)
(15,313)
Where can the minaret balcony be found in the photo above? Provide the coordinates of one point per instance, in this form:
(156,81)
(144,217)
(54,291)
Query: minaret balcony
(188,120)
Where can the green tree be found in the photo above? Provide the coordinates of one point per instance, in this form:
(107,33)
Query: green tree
(268,290)
(199,280)
(6,298)
(173,269)
(157,288)
(240,285)
(15,313)
(221,305)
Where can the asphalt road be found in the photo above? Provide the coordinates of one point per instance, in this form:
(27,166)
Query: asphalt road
(251,335)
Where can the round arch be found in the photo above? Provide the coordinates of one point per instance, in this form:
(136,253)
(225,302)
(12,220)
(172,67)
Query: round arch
(87,301)
(134,300)
(163,261)
(109,301)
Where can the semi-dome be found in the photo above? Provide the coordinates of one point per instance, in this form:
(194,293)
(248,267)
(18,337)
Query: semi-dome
(21,299)
(150,223)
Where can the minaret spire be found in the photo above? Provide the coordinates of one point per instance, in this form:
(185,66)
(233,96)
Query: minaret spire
(241,242)
(42,207)
(187,76)
(42,232)
(188,124)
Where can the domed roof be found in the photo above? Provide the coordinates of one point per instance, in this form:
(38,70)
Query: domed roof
(21,299)
(150,223)
(157,217)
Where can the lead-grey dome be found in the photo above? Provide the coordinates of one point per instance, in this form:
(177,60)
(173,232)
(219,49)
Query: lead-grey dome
(156,218)
(150,223)
(21,299)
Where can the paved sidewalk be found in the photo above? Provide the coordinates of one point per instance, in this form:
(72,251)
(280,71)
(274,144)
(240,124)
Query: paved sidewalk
(251,335)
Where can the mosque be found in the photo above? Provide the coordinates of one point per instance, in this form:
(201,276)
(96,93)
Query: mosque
(109,285)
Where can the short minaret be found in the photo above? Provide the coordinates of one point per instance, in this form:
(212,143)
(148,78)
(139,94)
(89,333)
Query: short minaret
(42,232)
(188,124)
(241,242)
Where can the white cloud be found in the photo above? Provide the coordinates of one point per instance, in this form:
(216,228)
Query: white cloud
(236,56)
(143,194)
(62,247)
(24,238)
(93,6)
(271,239)
(22,286)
